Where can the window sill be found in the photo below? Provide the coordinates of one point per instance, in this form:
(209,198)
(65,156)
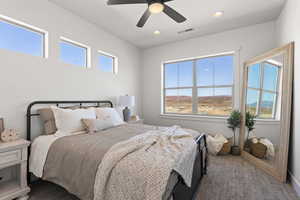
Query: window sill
(214,119)
(267,121)
(194,118)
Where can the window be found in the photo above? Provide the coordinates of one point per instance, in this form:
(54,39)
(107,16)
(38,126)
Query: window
(74,53)
(200,86)
(262,91)
(107,63)
(22,38)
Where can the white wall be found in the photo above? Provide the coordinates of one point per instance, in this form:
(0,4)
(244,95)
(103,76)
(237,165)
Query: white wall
(24,78)
(288,30)
(251,41)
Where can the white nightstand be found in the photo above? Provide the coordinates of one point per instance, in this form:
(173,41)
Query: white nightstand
(140,121)
(13,170)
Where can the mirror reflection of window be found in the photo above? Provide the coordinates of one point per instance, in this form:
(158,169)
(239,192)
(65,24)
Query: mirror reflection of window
(263,89)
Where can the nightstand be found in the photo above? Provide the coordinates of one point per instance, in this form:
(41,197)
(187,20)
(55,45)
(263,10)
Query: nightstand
(140,121)
(13,169)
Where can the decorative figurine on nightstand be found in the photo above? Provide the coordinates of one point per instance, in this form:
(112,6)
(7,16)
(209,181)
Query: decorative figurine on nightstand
(127,102)
(9,135)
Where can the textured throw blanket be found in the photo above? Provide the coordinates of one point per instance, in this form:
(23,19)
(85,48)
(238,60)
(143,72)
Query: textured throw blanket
(139,168)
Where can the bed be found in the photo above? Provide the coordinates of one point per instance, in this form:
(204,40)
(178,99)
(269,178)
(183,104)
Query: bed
(176,188)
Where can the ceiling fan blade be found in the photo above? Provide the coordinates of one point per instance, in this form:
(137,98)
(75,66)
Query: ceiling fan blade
(117,2)
(144,18)
(174,14)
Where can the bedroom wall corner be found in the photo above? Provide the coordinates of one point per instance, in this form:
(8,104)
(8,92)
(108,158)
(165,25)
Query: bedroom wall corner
(288,30)
(246,39)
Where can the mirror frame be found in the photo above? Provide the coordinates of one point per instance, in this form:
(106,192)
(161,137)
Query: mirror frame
(279,170)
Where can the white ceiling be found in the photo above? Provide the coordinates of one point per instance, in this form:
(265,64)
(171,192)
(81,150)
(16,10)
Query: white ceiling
(121,20)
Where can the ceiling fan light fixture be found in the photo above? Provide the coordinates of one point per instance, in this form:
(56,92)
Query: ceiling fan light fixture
(155,8)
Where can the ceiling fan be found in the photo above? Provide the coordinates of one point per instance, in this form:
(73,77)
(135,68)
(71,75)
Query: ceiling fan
(154,7)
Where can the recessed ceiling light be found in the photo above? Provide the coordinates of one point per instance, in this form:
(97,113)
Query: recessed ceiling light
(218,13)
(157,32)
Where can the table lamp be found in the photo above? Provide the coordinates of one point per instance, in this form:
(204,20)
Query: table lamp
(127,101)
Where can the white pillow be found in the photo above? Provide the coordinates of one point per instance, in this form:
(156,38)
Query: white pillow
(109,114)
(216,143)
(69,121)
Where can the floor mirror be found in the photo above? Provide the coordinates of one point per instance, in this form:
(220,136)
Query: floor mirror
(266,104)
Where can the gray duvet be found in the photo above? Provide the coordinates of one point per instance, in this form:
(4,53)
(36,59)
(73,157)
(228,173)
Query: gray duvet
(72,161)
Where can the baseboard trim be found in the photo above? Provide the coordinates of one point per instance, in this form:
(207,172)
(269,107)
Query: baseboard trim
(295,183)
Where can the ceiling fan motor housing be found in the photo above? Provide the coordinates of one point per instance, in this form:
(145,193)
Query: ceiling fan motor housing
(154,7)
(155,1)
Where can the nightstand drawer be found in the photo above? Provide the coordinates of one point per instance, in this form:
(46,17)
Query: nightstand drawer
(10,156)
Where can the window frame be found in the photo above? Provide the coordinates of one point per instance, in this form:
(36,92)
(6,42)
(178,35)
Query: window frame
(195,87)
(81,45)
(115,61)
(31,28)
(261,90)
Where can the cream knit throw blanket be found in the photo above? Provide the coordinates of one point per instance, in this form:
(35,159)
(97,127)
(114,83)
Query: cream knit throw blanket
(139,168)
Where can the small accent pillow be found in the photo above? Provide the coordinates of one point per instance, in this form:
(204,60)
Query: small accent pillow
(69,121)
(109,114)
(47,117)
(95,125)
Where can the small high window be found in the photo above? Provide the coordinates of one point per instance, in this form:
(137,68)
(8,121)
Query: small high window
(74,53)
(107,63)
(22,38)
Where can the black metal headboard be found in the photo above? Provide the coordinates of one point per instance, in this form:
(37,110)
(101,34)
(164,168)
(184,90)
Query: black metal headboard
(58,104)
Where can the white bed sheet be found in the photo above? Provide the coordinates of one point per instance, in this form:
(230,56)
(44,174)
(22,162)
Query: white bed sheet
(38,154)
(39,151)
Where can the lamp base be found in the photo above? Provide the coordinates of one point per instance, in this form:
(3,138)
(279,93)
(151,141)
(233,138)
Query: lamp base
(1,125)
(126,114)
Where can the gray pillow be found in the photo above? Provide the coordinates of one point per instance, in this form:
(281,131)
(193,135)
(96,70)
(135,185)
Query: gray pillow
(47,117)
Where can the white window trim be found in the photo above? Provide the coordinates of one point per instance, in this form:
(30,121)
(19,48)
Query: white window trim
(88,49)
(192,116)
(115,58)
(30,28)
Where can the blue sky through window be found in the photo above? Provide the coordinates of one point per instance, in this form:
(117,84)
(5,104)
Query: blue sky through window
(254,76)
(268,83)
(215,71)
(210,71)
(179,92)
(19,39)
(179,74)
(270,77)
(106,63)
(73,54)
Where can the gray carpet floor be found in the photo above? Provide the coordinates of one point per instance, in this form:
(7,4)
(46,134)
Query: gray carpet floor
(229,178)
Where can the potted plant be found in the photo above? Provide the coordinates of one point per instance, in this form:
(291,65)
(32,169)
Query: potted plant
(250,123)
(234,122)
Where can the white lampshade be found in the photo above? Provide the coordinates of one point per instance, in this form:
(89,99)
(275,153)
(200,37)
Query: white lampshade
(127,101)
